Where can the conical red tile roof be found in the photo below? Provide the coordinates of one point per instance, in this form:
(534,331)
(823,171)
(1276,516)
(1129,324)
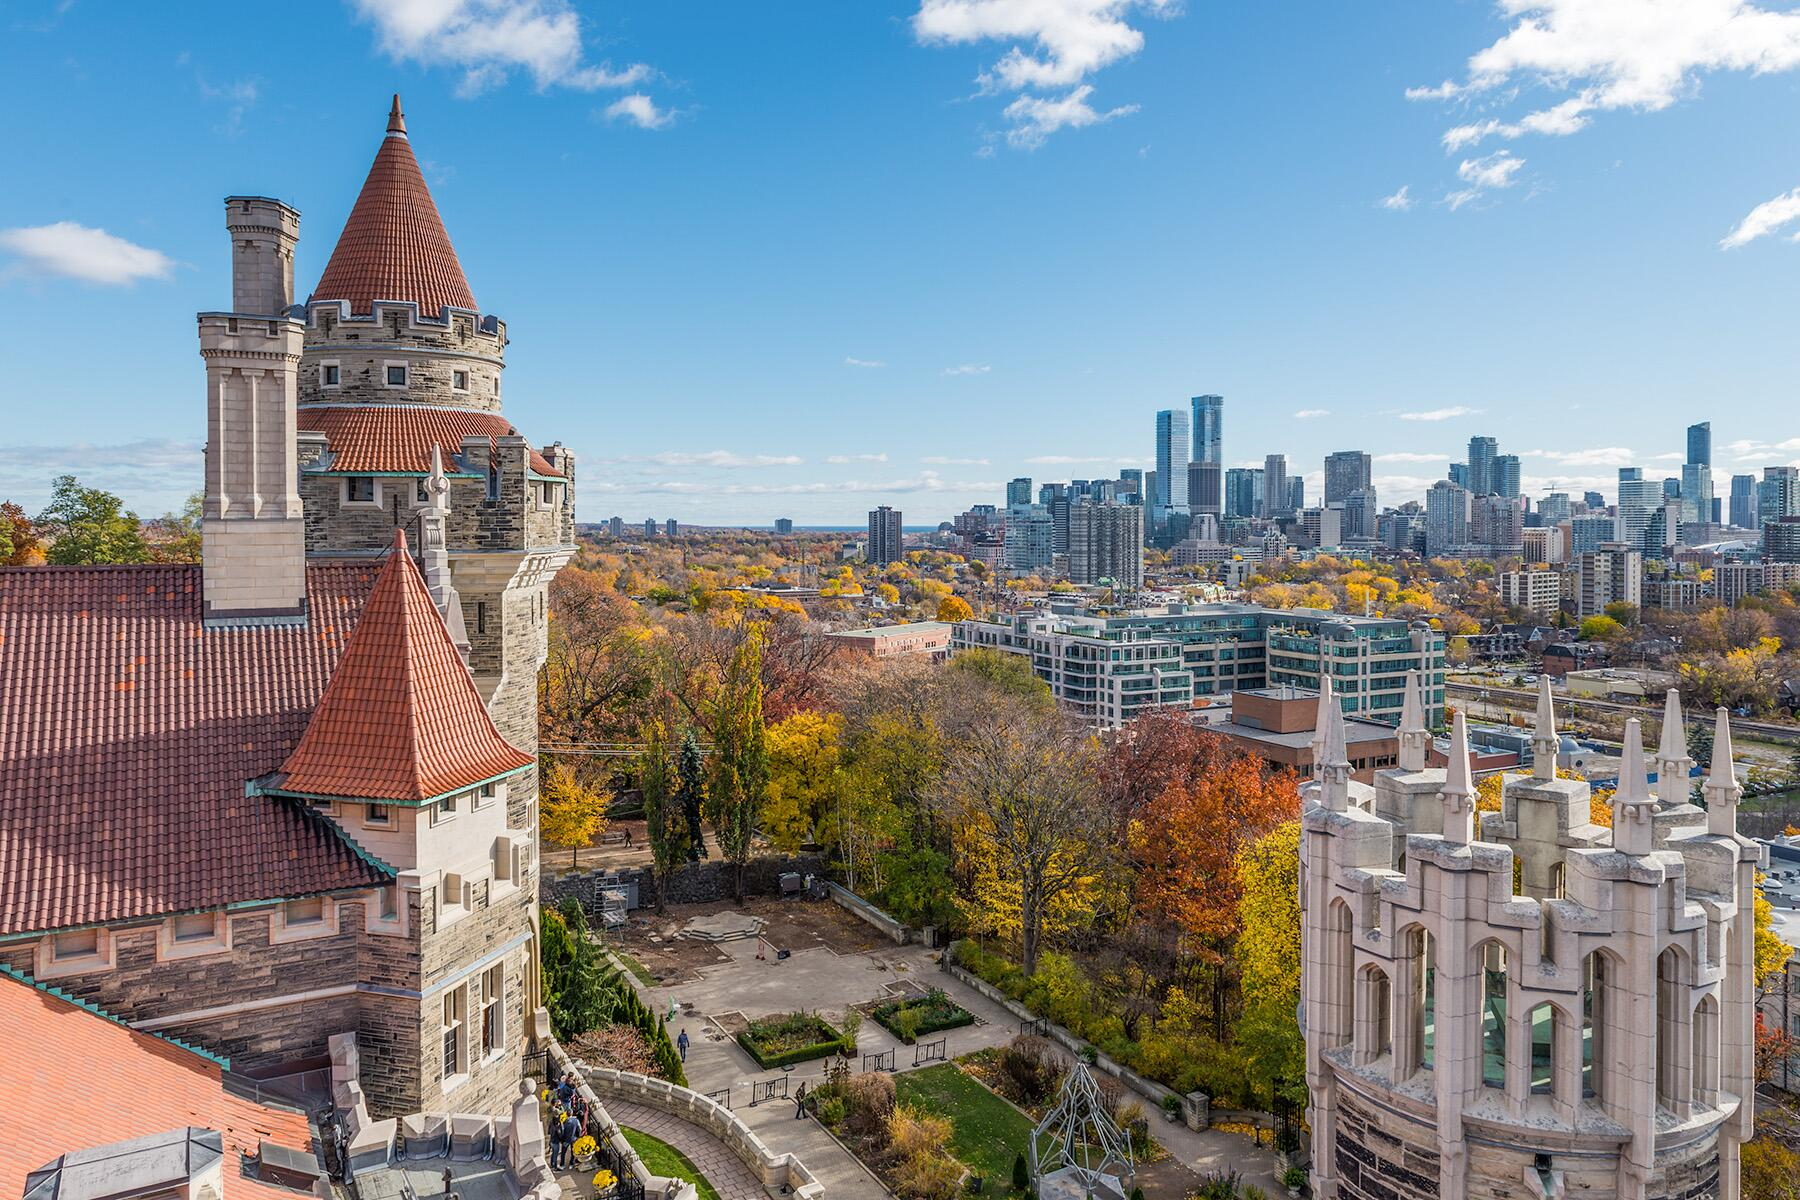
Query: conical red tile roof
(394,246)
(401,719)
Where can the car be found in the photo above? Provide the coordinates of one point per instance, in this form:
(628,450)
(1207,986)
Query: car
(1531,679)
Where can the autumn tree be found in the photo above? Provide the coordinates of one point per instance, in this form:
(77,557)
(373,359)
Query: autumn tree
(803,777)
(953,609)
(1023,797)
(20,545)
(89,525)
(1268,956)
(665,825)
(601,664)
(175,537)
(571,813)
(739,778)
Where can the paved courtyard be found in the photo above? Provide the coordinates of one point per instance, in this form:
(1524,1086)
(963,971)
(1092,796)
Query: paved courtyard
(749,981)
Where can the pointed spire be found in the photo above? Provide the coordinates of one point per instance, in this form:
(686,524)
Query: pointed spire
(434,552)
(401,719)
(1321,718)
(1331,755)
(394,246)
(1459,788)
(1545,745)
(1722,787)
(1672,762)
(1632,803)
(1415,739)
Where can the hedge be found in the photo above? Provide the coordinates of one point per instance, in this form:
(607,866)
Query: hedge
(958,1016)
(768,1060)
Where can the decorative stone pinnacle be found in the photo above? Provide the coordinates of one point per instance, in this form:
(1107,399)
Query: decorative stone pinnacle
(1459,787)
(1321,719)
(1672,761)
(1544,742)
(396,118)
(1632,803)
(1722,787)
(1414,738)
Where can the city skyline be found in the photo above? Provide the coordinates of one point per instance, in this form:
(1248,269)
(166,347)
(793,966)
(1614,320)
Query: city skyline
(648,115)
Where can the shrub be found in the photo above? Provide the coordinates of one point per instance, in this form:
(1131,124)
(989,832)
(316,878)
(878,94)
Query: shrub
(831,1111)
(909,1020)
(1029,1071)
(852,1025)
(928,1175)
(1294,1177)
(789,1038)
(913,1131)
(870,1100)
(1021,1174)
(1130,1118)
(1218,1185)
(1172,1104)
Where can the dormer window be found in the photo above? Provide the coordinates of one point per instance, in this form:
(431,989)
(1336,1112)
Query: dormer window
(394,374)
(328,375)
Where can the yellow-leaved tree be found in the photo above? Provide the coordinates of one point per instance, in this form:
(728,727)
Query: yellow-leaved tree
(1268,955)
(953,609)
(570,813)
(804,752)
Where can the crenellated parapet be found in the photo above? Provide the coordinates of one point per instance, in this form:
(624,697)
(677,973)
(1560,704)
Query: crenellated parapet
(453,359)
(1550,1005)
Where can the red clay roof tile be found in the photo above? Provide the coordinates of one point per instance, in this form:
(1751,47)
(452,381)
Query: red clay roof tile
(399,437)
(75,1080)
(127,732)
(401,719)
(394,246)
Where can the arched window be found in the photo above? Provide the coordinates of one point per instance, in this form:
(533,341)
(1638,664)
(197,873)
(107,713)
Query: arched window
(1374,1017)
(1339,1000)
(1593,1025)
(1559,881)
(1424,957)
(1674,1059)
(1492,956)
(1706,1052)
(1543,1049)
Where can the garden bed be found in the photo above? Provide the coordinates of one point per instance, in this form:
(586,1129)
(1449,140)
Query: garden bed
(987,1132)
(788,1038)
(912,1019)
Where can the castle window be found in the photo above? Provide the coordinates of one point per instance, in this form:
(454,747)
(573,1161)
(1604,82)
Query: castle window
(481,616)
(377,814)
(1493,1015)
(483,794)
(459,380)
(505,868)
(456,1052)
(394,374)
(493,480)
(493,1010)
(195,927)
(328,375)
(390,901)
(1593,1026)
(361,489)
(1543,1049)
(443,810)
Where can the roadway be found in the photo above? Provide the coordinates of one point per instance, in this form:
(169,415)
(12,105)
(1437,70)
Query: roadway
(1511,698)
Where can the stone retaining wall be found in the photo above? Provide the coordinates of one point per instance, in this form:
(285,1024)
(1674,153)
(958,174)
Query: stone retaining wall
(774,1170)
(896,932)
(692,883)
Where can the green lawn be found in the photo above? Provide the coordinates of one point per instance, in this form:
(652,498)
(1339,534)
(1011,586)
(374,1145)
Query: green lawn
(635,967)
(989,1131)
(665,1160)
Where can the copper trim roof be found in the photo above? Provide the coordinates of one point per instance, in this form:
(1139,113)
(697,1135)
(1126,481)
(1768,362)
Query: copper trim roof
(370,437)
(401,719)
(57,1051)
(394,246)
(128,731)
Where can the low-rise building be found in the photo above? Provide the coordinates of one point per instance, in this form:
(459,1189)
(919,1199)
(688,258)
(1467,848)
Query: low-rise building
(1280,726)
(929,638)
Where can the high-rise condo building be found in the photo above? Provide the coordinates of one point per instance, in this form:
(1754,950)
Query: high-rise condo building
(1779,494)
(1554,508)
(1497,522)
(1446,517)
(1209,429)
(1459,475)
(1781,540)
(1482,451)
(1106,542)
(1743,501)
(1296,494)
(1171,458)
(1018,491)
(1504,475)
(884,536)
(1030,538)
(1588,533)
(1594,500)
(1243,491)
(1131,480)
(1638,499)
(672,527)
(1275,487)
(1206,488)
(1699,444)
(784,525)
(1361,513)
(1612,573)
(1345,472)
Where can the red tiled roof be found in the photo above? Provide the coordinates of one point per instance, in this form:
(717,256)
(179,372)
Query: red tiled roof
(394,246)
(75,1080)
(401,719)
(127,732)
(399,437)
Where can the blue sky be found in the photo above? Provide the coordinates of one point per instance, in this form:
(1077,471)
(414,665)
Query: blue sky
(797,259)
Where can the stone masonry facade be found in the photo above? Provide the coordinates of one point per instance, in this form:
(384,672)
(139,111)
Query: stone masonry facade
(1586,1031)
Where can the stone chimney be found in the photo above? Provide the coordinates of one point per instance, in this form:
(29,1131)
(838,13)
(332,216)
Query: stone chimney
(253,536)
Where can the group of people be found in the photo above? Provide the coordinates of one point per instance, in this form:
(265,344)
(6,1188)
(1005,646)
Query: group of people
(568,1121)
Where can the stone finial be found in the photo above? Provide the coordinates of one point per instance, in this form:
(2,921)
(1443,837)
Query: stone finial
(1321,718)
(1672,761)
(1332,765)
(434,552)
(396,118)
(1459,788)
(1414,737)
(1632,803)
(1722,788)
(1544,742)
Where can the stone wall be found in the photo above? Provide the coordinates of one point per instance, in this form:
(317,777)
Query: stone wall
(1376,1162)
(705,882)
(432,349)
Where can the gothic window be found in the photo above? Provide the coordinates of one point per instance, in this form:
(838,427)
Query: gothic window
(1559,881)
(1706,1051)
(493,1010)
(1593,1026)
(1493,1014)
(1672,1066)
(1543,1048)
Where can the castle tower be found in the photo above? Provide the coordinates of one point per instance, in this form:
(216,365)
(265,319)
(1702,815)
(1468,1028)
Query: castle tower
(1550,1009)
(401,369)
(251,531)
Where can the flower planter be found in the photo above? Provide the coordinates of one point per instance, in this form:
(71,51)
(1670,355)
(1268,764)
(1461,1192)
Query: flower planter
(586,1162)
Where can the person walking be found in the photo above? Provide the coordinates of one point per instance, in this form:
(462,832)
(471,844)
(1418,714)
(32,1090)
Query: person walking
(800,1102)
(681,1044)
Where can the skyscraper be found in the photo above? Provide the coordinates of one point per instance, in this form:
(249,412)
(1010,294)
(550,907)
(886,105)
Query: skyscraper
(1446,517)
(1638,499)
(1018,491)
(884,536)
(1209,429)
(1171,459)
(1030,537)
(1699,444)
(1275,486)
(1743,501)
(1481,465)
(1243,491)
(1345,472)
(1361,513)
(1296,494)
(1779,494)
(784,525)
(1131,479)
(1206,485)
(1503,475)
(1106,541)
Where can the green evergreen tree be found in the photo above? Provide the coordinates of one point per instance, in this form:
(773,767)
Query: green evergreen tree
(690,792)
(664,822)
(1021,1174)
(1700,744)
(739,779)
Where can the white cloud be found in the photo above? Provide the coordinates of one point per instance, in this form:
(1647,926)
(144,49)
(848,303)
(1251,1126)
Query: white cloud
(863,362)
(1409,456)
(1439,414)
(1597,456)
(640,110)
(1484,174)
(968,369)
(151,476)
(926,481)
(1766,218)
(1307,414)
(1400,201)
(710,458)
(490,39)
(1055,45)
(940,461)
(850,458)
(1070,460)
(78,252)
(1637,55)
(1035,118)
